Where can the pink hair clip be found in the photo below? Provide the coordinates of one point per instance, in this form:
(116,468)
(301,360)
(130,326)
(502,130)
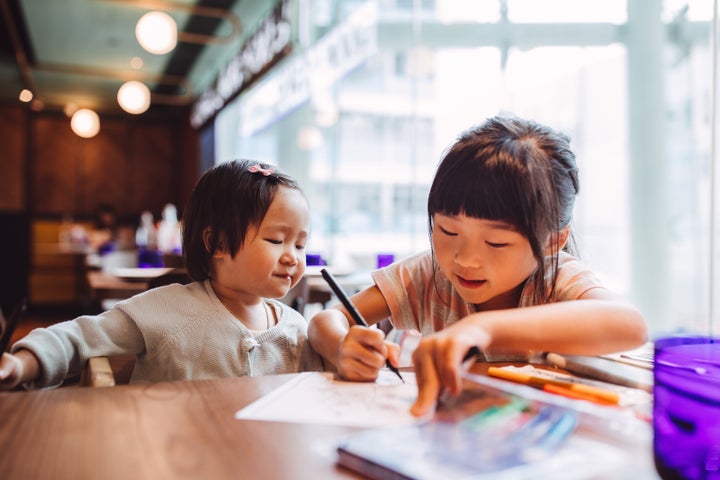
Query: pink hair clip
(258,169)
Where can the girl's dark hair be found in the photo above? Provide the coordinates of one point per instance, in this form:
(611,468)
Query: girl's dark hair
(228,198)
(512,170)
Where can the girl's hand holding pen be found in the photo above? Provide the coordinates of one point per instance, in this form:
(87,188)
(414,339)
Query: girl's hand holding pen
(358,319)
(363,352)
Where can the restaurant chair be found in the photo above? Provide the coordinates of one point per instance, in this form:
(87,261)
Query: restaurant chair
(97,373)
(107,371)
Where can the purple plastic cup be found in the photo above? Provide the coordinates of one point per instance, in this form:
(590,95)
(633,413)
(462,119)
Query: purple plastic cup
(384,259)
(686,408)
(314,260)
(150,258)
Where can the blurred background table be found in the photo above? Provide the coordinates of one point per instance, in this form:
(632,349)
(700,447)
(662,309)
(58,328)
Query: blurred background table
(108,287)
(313,294)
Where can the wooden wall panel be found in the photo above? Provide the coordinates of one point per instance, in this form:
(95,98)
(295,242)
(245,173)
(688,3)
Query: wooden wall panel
(48,172)
(154,168)
(131,165)
(189,170)
(105,169)
(134,163)
(13,138)
(54,156)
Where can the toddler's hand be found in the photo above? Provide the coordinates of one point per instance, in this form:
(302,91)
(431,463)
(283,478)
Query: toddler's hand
(363,353)
(11,371)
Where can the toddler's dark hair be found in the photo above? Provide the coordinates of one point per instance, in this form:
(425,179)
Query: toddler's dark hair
(228,198)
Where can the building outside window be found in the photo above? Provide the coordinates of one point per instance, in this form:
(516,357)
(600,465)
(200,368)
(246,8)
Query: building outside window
(375,91)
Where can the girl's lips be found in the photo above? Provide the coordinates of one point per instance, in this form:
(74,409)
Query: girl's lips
(470,283)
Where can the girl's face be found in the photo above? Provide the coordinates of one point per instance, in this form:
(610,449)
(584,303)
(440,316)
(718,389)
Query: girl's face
(487,261)
(272,258)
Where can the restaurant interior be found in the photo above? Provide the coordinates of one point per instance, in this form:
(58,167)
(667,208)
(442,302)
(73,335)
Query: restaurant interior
(111,110)
(70,59)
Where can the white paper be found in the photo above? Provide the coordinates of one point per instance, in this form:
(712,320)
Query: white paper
(316,397)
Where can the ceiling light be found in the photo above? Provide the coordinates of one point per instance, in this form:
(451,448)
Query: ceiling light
(134,97)
(85,123)
(157,32)
(25,95)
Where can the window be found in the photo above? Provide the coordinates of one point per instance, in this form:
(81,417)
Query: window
(390,87)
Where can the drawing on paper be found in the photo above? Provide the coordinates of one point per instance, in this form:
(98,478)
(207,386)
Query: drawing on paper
(314,397)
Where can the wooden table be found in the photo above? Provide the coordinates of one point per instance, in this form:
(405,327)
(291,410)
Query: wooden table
(160,431)
(172,430)
(121,283)
(351,281)
(312,288)
(104,285)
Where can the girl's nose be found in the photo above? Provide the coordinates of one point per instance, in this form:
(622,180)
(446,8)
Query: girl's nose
(468,256)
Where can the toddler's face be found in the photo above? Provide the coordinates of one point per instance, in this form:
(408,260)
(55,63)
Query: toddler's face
(272,258)
(486,260)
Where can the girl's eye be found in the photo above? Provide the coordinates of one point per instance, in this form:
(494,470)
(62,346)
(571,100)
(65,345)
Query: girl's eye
(273,241)
(300,247)
(447,232)
(497,245)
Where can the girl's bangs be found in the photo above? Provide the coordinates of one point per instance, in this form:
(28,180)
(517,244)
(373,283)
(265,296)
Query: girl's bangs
(494,192)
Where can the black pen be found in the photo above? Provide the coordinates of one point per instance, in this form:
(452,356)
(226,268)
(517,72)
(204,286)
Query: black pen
(472,353)
(357,318)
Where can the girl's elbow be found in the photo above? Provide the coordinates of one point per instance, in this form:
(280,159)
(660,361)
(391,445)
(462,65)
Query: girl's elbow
(637,327)
(640,335)
(314,326)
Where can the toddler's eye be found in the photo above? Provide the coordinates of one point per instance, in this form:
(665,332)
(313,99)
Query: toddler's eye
(273,241)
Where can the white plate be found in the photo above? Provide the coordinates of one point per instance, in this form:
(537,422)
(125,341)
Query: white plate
(140,273)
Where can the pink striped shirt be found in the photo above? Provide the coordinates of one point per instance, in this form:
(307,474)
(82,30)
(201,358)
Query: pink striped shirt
(412,295)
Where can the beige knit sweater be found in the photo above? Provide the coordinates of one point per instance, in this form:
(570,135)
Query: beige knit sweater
(177,332)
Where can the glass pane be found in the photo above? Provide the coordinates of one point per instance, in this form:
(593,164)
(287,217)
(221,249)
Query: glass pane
(546,11)
(376,91)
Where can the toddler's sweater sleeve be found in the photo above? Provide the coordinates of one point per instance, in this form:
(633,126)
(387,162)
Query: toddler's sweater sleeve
(64,348)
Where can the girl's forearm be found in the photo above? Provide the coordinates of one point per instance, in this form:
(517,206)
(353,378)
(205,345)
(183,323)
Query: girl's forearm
(326,332)
(580,327)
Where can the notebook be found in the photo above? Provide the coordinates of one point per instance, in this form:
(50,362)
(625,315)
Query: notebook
(484,433)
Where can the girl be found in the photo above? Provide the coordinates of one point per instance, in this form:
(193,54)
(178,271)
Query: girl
(244,235)
(499,212)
